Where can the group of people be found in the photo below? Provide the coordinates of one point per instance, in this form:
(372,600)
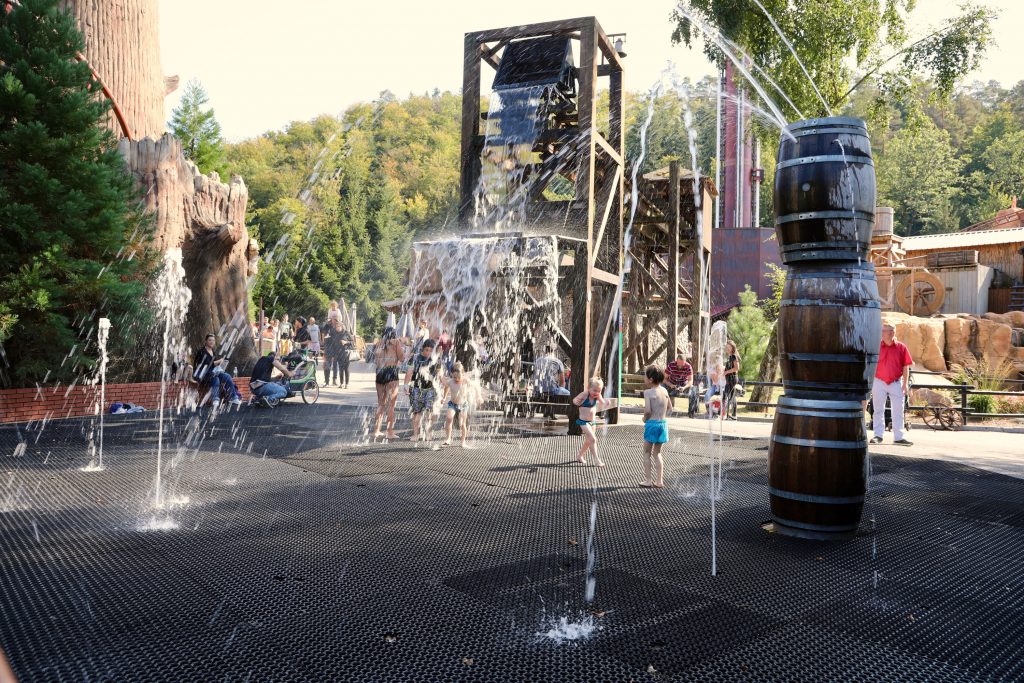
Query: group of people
(429,374)
(722,380)
(657,406)
(334,342)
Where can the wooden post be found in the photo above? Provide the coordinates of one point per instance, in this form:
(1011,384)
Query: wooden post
(580,330)
(672,281)
(469,158)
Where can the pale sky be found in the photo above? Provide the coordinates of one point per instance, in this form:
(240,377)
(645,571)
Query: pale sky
(265,63)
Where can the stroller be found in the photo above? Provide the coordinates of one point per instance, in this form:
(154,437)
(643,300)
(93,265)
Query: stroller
(888,413)
(303,382)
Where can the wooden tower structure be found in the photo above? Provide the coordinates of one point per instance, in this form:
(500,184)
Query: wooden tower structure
(665,247)
(587,155)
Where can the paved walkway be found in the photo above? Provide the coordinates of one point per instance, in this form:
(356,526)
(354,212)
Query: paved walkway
(995,451)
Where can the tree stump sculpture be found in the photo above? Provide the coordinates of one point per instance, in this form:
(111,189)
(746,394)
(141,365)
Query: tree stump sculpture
(200,214)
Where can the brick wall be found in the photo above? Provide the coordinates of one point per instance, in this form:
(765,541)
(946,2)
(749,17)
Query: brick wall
(26,405)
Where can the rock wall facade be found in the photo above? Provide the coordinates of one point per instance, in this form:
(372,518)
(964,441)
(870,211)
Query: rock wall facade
(939,342)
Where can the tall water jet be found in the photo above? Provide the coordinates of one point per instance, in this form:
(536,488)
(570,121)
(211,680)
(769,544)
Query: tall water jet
(172,300)
(102,334)
(718,338)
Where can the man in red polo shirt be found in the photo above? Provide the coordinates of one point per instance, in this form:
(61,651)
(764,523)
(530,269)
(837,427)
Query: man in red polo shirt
(892,381)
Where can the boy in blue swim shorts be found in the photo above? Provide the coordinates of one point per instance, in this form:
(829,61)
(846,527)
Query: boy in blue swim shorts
(656,407)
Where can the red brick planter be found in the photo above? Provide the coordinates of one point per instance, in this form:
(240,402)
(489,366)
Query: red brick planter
(48,403)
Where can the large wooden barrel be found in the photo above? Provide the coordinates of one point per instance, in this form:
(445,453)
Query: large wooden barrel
(830,330)
(824,191)
(816,468)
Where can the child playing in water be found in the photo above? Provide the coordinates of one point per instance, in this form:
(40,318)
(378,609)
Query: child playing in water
(459,390)
(590,402)
(656,407)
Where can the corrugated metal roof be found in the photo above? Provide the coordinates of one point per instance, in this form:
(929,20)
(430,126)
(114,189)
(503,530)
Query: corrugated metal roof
(964,239)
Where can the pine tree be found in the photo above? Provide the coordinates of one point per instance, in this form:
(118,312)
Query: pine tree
(196,126)
(749,329)
(67,203)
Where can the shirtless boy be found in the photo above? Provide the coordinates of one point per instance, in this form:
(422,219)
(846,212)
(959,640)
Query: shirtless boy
(656,406)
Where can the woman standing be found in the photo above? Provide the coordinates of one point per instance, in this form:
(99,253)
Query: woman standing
(387,356)
(732,374)
(344,342)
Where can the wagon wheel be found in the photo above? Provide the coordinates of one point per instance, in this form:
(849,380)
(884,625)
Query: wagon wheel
(920,294)
(952,419)
(932,416)
(310,391)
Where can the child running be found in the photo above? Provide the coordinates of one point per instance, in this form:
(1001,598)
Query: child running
(656,407)
(590,402)
(458,390)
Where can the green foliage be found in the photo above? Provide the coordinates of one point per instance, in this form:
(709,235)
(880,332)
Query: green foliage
(837,41)
(919,179)
(1005,157)
(981,403)
(67,203)
(982,121)
(777,280)
(749,328)
(196,126)
(984,376)
(667,136)
(377,178)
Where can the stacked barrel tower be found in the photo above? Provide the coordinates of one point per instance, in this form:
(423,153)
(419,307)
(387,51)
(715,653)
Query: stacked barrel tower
(829,327)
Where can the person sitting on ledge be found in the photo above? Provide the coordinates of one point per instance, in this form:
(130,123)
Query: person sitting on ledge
(679,382)
(208,368)
(549,374)
(261,382)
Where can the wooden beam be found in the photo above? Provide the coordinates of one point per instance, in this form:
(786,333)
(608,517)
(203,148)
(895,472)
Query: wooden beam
(606,146)
(469,156)
(607,48)
(596,274)
(547,28)
(641,270)
(490,59)
(673,259)
(581,326)
(609,202)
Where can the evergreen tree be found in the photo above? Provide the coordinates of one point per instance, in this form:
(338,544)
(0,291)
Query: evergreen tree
(196,126)
(66,202)
(749,328)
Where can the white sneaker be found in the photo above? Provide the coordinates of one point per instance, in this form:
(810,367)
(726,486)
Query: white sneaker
(215,405)
(236,401)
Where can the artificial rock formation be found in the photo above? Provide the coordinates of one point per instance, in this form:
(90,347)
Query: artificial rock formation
(939,342)
(205,218)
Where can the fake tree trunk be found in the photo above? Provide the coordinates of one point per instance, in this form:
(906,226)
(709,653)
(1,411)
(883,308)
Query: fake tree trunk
(206,219)
(769,369)
(199,214)
(122,44)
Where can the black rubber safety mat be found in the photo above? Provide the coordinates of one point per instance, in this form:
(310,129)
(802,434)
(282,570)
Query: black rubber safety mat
(303,550)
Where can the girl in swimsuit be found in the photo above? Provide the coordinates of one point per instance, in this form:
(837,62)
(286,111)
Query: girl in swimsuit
(388,355)
(590,403)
